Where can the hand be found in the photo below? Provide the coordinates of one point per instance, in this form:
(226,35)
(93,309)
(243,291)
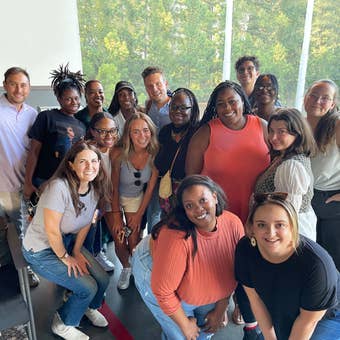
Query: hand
(215,320)
(82,262)
(134,221)
(72,266)
(118,223)
(334,198)
(191,331)
(28,190)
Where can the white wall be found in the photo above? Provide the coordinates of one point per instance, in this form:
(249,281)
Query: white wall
(39,35)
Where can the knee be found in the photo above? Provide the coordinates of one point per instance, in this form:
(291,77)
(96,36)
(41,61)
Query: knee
(88,289)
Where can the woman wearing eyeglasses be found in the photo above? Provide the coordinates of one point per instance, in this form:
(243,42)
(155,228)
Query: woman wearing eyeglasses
(292,283)
(324,118)
(133,178)
(174,139)
(265,94)
(291,145)
(104,134)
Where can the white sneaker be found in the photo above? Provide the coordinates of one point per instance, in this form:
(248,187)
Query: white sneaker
(97,318)
(66,332)
(104,262)
(124,278)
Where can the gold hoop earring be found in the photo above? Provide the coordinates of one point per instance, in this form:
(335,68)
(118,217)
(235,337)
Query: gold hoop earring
(253,241)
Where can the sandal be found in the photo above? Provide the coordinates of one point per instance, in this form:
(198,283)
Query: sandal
(237,316)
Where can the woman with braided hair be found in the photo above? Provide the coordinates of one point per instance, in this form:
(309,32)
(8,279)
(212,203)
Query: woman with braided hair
(54,131)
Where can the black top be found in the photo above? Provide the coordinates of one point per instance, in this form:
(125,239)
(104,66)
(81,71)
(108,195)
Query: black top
(308,280)
(168,148)
(57,132)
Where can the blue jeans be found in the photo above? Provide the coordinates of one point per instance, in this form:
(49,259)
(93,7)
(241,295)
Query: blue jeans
(88,290)
(153,212)
(141,268)
(328,328)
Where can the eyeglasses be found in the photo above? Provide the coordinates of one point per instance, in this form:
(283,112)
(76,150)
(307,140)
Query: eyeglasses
(268,88)
(104,133)
(242,70)
(137,175)
(323,99)
(181,108)
(267,196)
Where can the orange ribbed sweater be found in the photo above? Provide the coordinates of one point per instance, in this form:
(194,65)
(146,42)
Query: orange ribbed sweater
(204,279)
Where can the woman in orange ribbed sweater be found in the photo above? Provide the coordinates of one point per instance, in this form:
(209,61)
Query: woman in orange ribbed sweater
(191,265)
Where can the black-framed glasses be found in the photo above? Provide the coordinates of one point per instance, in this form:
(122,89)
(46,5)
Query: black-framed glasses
(267,196)
(104,133)
(137,175)
(181,108)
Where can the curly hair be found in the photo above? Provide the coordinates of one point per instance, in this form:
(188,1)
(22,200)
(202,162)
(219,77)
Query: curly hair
(178,219)
(66,173)
(245,58)
(210,111)
(63,79)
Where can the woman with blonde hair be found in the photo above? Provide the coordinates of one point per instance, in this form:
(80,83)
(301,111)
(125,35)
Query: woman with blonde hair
(133,178)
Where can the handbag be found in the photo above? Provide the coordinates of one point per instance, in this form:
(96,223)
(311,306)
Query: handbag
(165,184)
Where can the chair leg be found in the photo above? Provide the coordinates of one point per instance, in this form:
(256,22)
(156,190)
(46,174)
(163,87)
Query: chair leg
(25,289)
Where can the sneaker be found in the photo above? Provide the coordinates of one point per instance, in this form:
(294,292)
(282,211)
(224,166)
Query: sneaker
(107,265)
(253,333)
(124,278)
(33,279)
(66,332)
(96,317)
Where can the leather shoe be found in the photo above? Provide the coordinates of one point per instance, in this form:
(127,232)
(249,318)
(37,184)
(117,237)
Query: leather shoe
(33,279)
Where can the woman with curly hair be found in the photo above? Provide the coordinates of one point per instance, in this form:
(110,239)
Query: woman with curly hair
(54,131)
(134,177)
(53,244)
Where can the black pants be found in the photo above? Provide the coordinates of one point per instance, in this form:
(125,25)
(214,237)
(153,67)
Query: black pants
(328,224)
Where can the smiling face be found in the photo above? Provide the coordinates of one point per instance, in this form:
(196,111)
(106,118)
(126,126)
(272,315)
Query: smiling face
(180,109)
(200,206)
(229,109)
(95,94)
(86,166)
(126,99)
(319,99)
(69,101)
(279,136)
(17,87)
(247,74)
(105,133)
(140,134)
(265,92)
(272,230)
(156,87)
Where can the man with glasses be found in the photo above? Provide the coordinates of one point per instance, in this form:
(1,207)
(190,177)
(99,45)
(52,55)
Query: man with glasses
(247,70)
(16,119)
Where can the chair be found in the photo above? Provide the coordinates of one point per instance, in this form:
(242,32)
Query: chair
(15,296)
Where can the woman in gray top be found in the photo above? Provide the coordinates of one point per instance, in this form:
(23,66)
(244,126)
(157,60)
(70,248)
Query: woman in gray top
(54,239)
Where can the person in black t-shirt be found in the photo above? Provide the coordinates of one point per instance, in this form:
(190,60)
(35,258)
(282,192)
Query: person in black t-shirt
(291,282)
(54,131)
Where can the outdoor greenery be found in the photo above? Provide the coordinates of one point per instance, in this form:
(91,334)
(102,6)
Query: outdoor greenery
(119,38)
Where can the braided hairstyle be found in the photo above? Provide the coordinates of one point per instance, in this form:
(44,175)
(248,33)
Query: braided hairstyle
(63,79)
(210,111)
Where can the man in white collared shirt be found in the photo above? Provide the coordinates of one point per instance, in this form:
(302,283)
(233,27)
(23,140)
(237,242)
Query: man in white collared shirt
(16,119)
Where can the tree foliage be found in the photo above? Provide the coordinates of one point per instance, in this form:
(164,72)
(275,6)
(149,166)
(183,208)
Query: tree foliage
(119,38)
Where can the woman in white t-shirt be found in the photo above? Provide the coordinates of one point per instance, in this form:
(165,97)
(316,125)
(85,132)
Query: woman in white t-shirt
(54,239)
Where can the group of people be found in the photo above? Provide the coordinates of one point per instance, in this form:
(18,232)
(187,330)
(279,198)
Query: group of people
(253,185)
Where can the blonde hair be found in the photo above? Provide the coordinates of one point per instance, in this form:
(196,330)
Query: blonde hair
(125,142)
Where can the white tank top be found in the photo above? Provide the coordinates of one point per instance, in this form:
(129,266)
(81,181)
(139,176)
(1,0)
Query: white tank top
(326,168)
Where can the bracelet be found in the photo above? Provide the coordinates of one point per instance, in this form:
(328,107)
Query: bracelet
(64,255)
